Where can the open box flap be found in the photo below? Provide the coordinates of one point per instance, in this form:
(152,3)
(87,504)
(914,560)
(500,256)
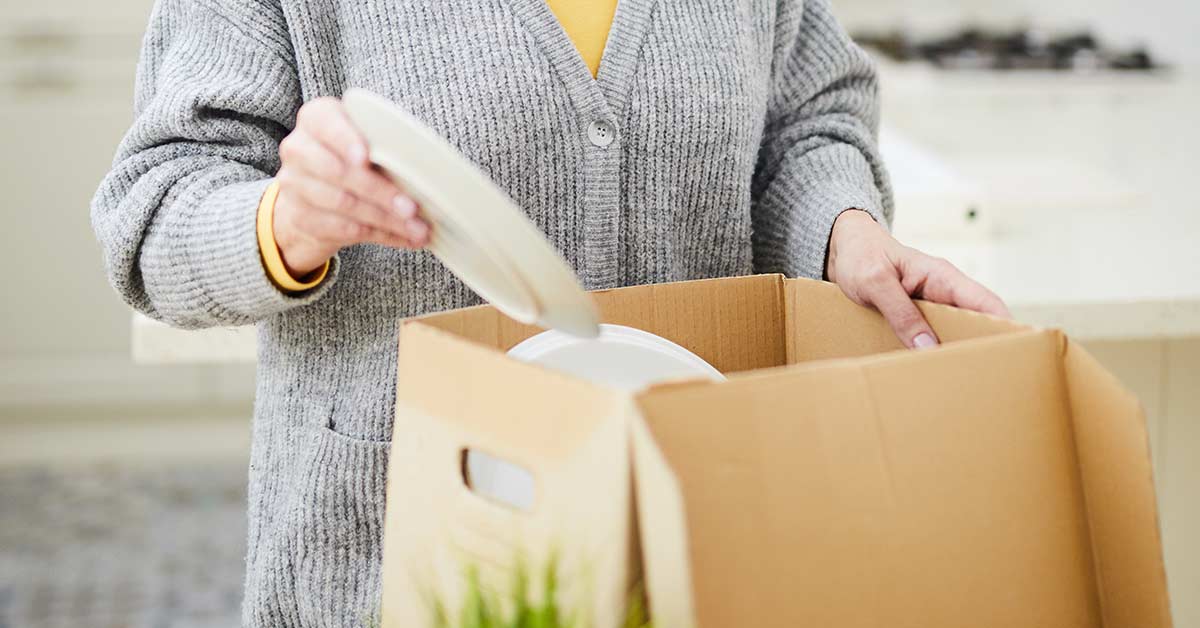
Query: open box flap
(822,324)
(739,323)
(735,324)
(899,490)
(927,489)
(483,324)
(571,437)
(1118,483)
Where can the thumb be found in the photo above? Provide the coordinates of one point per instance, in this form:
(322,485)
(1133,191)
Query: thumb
(890,298)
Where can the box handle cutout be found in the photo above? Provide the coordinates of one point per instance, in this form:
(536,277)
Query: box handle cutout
(497,480)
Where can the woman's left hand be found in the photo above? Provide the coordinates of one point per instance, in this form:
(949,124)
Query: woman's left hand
(874,269)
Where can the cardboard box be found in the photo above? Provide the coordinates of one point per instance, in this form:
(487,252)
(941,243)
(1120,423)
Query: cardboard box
(1002,479)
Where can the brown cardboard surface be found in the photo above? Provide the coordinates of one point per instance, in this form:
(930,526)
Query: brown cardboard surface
(453,396)
(663,530)
(483,325)
(882,493)
(1114,459)
(1000,480)
(824,324)
(734,324)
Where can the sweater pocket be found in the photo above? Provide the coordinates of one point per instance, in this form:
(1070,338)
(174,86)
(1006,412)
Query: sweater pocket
(338,529)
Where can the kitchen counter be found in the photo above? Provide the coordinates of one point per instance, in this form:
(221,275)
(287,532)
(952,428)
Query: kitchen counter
(1109,275)
(1087,220)
(1105,276)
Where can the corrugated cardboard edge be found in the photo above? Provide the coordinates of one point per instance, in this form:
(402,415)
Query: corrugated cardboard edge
(821,304)
(1119,495)
(663,533)
(689,313)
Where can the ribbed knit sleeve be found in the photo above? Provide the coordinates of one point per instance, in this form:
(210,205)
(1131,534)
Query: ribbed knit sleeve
(216,91)
(819,155)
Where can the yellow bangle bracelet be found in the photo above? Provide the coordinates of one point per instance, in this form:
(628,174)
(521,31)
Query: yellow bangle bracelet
(272,259)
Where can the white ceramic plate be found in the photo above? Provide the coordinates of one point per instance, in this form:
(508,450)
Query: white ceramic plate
(622,357)
(477,231)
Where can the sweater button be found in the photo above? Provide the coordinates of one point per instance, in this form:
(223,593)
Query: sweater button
(601,133)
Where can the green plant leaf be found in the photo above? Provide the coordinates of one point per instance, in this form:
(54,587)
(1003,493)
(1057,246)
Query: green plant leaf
(516,608)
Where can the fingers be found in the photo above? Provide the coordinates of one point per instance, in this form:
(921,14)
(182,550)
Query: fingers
(397,218)
(971,295)
(882,273)
(945,283)
(378,202)
(885,292)
(302,151)
(325,166)
(338,230)
(326,120)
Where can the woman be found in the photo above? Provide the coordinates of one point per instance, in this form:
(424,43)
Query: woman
(655,141)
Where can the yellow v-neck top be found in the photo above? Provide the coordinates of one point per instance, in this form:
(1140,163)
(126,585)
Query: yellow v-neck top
(586,23)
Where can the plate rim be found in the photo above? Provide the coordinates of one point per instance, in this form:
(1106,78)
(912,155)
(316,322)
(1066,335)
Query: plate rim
(557,292)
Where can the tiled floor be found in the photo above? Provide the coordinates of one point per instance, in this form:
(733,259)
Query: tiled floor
(122,546)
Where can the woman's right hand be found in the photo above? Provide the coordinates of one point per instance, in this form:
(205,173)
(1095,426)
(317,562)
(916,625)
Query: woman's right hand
(331,197)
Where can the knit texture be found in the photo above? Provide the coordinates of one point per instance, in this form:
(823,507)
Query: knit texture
(742,130)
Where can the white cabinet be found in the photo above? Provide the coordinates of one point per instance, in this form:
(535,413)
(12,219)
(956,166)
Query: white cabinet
(83,12)
(65,99)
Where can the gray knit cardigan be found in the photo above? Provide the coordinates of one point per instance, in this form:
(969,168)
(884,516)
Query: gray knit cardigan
(742,129)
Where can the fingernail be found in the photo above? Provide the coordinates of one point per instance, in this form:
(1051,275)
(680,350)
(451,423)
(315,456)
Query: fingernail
(404,206)
(358,154)
(924,341)
(417,230)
